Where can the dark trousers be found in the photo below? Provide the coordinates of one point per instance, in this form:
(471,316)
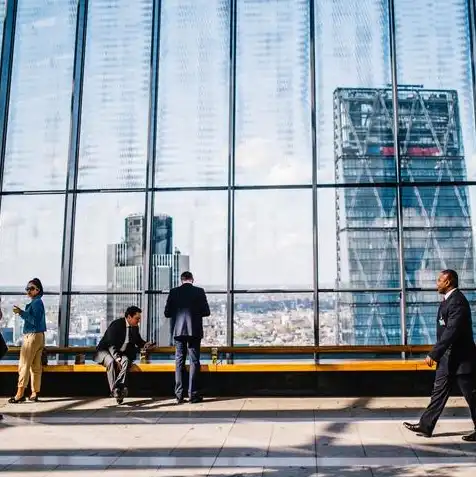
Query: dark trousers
(116,373)
(182,346)
(441,392)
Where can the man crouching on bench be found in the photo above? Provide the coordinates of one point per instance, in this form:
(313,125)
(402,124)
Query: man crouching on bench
(118,348)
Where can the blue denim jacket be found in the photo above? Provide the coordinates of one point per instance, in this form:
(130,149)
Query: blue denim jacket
(34,316)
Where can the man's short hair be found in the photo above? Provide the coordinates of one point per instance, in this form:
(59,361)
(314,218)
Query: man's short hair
(186,277)
(132,311)
(452,277)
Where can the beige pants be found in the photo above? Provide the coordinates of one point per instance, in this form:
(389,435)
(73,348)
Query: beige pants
(30,361)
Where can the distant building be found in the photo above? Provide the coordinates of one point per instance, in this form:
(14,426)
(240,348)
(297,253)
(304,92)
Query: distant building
(125,267)
(436,220)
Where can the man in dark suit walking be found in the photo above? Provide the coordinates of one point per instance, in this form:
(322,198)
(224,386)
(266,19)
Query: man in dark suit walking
(186,306)
(118,349)
(454,353)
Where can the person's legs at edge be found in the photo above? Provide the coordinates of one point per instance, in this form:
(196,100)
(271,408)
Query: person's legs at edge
(439,397)
(24,365)
(36,366)
(467,384)
(105,359)
(194,378)
(180,357)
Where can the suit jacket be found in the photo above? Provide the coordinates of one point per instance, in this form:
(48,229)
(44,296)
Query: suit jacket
(115,336)
(455,349)
(186,306)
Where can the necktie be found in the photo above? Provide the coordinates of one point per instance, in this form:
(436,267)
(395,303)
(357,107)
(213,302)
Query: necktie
(126,341)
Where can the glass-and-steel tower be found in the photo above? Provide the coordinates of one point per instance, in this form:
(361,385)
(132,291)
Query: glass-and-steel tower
(436,219)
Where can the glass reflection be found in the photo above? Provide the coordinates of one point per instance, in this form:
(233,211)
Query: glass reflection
(40,98)
(354,132)
(365,318)
(31,233)
(357,238)
(193,93)
(3,5)
(113,148)
(273,111)
(273,239)
(274,319)
(108,243)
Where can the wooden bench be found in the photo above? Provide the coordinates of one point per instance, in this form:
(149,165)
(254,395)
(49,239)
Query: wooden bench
(221,358)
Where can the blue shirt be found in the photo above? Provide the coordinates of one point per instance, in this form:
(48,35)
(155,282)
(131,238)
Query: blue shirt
(34,316)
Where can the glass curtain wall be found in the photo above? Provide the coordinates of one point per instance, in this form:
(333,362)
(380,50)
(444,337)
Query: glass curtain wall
(252,142)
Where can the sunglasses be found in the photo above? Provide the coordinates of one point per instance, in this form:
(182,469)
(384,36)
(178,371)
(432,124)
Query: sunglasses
(28,289)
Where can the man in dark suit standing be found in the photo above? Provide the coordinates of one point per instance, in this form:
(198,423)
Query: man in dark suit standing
(118,349)
(186,306)
(454,353)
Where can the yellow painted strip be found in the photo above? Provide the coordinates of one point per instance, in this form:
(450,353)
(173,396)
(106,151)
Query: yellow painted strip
(410,365)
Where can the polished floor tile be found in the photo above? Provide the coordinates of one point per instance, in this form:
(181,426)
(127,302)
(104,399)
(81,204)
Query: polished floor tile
(289,437)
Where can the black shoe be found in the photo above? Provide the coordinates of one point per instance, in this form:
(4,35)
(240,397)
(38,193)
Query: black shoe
(417,429)
(117,394)
(33,399)
(13,400)
(179,401)
(196,399)
(470,437)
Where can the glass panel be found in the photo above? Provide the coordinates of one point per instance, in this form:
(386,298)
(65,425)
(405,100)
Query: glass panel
(191,231)
(214,326)
(193,93)
(31,235)
(108,242)
(11,325)
(421,312)
(274,319)
(359,318)
(437,135)
(92,314)
(358,240)
(114,124)
(273,243)
(273,103)
(40,101)
(438,234)
(3,5)
(354,123)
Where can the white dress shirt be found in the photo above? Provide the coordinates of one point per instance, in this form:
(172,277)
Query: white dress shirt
(126,341)
(449,293)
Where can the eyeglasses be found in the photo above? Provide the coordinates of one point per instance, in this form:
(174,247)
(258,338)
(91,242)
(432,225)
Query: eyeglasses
(28,289)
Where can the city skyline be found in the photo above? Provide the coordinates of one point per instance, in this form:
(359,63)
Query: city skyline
(271,188)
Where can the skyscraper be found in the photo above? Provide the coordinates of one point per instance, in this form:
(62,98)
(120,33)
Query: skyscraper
(125,270)
(436,219)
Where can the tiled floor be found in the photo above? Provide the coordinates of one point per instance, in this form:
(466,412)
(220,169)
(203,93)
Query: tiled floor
(266,437)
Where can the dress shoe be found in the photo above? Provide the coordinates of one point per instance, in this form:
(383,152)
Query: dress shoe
(470,437)
(179,401)
(417,429)
(196,399)
(117,393)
